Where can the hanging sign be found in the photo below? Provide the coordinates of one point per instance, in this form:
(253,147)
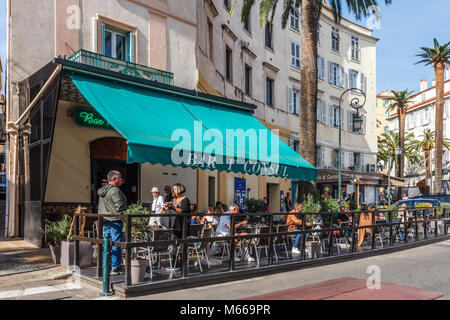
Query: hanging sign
(88,117)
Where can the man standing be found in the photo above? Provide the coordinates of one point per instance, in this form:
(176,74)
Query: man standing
(157,206)
(113,201)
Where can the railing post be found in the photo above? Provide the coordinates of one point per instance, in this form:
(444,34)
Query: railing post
(184,251)
(128,252)
(77,242)
(425,225)
(232,243)
(436,230)
(353,233)
(99,246)
(271,240)
(445,222)
(303,255)
(373,230)
(416,222)
(405,226)
(107,257)
(330,236)
(390,228)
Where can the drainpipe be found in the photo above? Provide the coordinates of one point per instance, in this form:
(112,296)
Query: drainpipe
(7,75)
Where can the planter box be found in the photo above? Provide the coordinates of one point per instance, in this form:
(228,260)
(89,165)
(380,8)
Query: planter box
(67,253)
(55,253)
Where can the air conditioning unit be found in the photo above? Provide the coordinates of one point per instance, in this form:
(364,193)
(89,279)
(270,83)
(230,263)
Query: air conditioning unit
(370,168)
(373,168)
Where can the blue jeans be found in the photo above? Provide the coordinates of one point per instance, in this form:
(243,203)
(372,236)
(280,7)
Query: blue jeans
(298,238)
(114,228)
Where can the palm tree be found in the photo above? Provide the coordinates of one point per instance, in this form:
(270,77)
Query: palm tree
(387,144)
(310,13)
(426,145)
(439,58)
(400,102)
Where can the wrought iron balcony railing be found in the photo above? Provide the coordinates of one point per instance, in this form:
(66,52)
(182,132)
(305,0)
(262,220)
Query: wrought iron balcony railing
(124,67)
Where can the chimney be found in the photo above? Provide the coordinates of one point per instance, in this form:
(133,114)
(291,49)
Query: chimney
(447,73)
(423,85)
(434,82)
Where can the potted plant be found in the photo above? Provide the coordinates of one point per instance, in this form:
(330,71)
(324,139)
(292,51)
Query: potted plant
(55,232)
(139,229)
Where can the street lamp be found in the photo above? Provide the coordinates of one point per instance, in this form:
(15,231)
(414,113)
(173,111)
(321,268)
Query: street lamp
(357,125)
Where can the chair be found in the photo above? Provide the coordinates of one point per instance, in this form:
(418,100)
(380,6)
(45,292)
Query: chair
(340,238)
(159,250)
(196,231)
(281,240)
(261,242)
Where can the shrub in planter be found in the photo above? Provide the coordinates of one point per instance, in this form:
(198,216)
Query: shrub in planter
(55,232)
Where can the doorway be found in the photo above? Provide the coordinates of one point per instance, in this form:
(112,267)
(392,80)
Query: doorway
(110,154)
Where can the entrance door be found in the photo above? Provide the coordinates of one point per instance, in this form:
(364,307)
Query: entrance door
(110,154)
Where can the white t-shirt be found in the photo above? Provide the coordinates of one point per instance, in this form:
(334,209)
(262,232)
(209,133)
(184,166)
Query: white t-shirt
(157,206)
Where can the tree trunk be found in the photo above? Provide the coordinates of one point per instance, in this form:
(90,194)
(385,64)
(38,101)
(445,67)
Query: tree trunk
(401,138)
(439,70)
(308,98)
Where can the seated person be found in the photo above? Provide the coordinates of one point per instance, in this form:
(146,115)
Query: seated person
(224,229)
(295,224)
(345,219)
(210,219)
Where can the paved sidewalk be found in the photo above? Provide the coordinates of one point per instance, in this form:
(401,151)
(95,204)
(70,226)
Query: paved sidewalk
(18,256)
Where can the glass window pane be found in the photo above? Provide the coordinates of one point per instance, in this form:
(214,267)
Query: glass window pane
(108,44)
(49,104)
(35,126)
(120,47)
(35,173)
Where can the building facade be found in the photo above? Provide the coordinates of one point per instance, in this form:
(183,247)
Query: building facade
(144,32)
(262,66)
(420,117)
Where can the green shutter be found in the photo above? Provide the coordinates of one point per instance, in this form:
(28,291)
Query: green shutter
(131,47)
(103,38)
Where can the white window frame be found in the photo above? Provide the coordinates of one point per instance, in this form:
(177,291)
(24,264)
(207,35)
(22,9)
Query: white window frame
(321,68)
(335,39)
(294,19)
(114,33)
(353,77)
(295,58)
(355,48)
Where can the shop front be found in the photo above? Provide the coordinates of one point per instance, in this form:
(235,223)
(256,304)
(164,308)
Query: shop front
(359,187)
(94,120)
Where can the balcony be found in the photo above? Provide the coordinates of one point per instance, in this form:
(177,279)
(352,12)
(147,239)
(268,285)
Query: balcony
(131,69)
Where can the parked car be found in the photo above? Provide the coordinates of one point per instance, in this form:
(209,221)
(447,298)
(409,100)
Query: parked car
(412,203)
(442,198)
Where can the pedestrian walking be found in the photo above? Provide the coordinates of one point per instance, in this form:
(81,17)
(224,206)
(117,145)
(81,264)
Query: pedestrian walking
(113,201)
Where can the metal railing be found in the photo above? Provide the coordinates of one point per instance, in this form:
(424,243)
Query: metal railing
(131,69)
(329,232)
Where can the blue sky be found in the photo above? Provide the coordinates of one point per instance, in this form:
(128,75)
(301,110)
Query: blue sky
(406,25)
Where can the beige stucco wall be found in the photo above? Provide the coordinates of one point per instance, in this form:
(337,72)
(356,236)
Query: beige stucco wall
(69,177)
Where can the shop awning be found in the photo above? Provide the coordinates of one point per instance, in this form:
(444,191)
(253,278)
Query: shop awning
(169,129)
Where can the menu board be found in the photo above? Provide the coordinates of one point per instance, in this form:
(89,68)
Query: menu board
(369,194)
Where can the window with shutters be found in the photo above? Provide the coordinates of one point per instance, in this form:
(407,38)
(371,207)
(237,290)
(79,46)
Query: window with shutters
(353,79)
(295,102)
(321,111)
(320,156)
(319,26)
(229,64)
(321,68)
(268,35)
(248,80)
(117,44)
(336,158)
(335,39)
(336,74)
(295,55)
(294,19)
(355,48)
(269,92)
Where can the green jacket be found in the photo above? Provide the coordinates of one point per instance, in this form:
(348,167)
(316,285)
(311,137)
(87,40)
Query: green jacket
(111,201)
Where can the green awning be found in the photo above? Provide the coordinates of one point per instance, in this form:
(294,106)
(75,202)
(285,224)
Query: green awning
(169,129)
